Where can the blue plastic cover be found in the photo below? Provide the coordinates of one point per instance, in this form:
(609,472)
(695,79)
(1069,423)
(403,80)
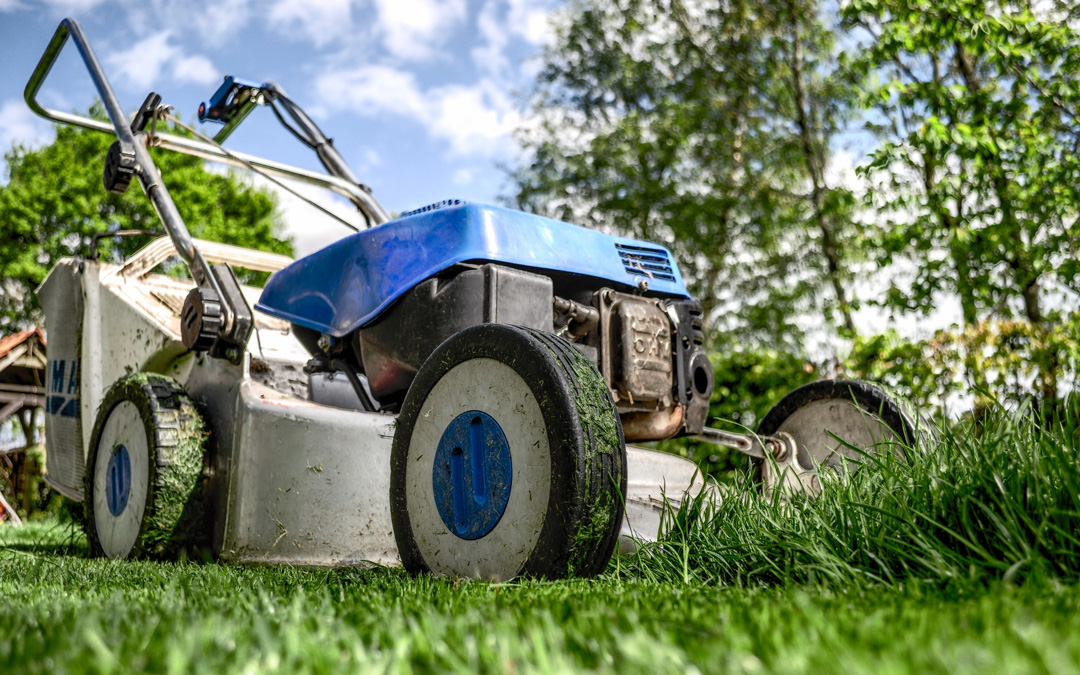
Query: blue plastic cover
(349,283)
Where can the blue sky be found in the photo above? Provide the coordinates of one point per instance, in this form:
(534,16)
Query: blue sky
(420,96)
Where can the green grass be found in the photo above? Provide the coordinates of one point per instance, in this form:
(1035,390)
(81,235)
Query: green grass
(62,612)
(998,504)
(961,560)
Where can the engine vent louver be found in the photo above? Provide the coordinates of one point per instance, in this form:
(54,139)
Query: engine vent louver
(446,203)
(645,261)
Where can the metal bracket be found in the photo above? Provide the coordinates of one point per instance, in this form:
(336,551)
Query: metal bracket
(790,471)
(95,240)
(236,332)
(785,467)
(231,103)
(326,364)
(120,167)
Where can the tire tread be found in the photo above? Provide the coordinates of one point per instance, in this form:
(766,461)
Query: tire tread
(173,517)
(598,524)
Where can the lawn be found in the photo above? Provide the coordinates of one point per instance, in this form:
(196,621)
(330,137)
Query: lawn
(961,561)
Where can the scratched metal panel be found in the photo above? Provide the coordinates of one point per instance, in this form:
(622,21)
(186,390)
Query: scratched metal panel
(61,296)
(655,479)
(310,483)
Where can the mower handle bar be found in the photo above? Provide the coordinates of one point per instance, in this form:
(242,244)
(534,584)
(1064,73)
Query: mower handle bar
(188,146)
(144,168)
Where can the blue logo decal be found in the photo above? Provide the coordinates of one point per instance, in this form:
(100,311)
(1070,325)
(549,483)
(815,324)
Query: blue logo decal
(118,480)
(63,394)
(472,475)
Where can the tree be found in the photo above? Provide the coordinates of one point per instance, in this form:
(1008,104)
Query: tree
(705,127)
(54,203)
(979,171)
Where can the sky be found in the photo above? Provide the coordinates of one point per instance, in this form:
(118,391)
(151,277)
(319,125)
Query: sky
(420,96)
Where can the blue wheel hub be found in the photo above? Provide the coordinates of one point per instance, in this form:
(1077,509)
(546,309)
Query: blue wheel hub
(118,480)
(472,475)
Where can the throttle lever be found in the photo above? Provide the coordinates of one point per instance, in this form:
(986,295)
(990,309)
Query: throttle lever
(146,112)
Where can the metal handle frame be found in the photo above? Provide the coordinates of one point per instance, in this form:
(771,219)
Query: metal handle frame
(350,190)
(147,173)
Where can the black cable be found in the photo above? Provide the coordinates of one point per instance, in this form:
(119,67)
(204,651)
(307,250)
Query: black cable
(295,132)
(273,95)
(204,138)
(296,112)
(365,399)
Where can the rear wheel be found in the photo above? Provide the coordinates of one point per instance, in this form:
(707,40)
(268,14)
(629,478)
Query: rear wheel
(508,460)
(145,471)
(840,423)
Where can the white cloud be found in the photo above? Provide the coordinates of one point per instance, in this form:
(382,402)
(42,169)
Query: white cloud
(369,160)
(370,89)
(73,6)
(503,23)
(197,69)
(475,120)
(219,19)
(463,176)
(531,20)
(218,24)
(321,21)
(11,5)
(489,56)
(19,125)
(415,29)
(142,65)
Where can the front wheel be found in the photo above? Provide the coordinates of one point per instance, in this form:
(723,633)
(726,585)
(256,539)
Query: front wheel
(145,471)
(508,460)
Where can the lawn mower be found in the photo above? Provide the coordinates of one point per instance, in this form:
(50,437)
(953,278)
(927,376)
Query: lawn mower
(457,389)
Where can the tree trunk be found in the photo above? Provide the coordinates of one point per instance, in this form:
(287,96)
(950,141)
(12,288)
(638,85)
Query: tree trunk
(815,168)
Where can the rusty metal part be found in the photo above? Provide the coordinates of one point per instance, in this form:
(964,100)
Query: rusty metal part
(781,447)
(790,471)
(744,443)
(636,351)
(579,319)
(786,469)
(652,426)
(644,363)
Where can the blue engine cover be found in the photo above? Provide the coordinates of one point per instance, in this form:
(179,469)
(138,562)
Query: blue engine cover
(349,283)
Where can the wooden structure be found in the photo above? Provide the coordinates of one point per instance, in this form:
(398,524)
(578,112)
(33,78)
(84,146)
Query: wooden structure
(22,391)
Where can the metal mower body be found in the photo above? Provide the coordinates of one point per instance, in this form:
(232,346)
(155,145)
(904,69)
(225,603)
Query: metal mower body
(288,479)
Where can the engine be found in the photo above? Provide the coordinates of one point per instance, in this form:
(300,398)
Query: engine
(648,349)
(376,305)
